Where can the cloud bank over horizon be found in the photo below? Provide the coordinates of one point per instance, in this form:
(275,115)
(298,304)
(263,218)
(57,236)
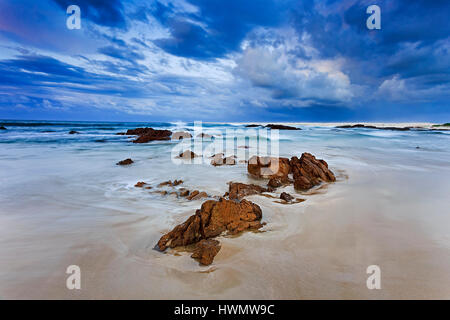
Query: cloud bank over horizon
(215,60)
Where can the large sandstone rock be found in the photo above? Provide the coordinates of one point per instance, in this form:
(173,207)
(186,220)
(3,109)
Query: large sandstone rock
(205,251)
(309,171)
(268,167)
(149,134)
(212,219)
(237,190)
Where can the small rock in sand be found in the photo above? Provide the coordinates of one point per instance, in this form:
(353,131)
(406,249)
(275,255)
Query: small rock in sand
(206,250)
(188,154)
(184,192)
(140,184)
(125,162)
(286,197)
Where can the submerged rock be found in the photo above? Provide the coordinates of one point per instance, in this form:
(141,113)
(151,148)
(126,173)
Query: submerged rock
(196,195)
(206,250)
(184,192)
(268,167)
(309,171)
(237,190)
(204,136)
(212,219)
(125,162)
(180,135)
(140,184)
(352,126)
(73,132)
(188,154)
(219,160)
(2,128)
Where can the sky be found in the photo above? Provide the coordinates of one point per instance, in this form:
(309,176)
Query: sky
(225,60)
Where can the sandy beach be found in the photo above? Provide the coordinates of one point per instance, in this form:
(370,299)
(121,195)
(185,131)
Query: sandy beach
(387,208)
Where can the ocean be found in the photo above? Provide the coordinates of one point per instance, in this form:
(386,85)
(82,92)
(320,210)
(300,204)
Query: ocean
(64,201)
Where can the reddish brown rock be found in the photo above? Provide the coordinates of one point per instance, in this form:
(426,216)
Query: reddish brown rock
(205,251)
(286,197)
(237,190)
(309,171)
(140,184)
(125,162)
(177,182)
(196,195)
(268,167)
(184,192)
(212,219)
(275,182)
(165,183)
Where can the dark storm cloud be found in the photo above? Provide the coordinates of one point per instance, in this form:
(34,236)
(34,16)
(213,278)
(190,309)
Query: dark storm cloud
(219,26)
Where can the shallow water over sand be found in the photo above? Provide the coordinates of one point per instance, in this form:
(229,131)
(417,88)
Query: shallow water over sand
(63,201)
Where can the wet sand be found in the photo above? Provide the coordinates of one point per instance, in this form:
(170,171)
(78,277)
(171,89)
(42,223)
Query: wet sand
(317,249)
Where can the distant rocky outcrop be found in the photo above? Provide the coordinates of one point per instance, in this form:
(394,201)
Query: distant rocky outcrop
(147,134)
(73,132)
(125,162)
(309,171)
(273,126)
(352,126)
(281,127)
(212,219)
(2,128)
